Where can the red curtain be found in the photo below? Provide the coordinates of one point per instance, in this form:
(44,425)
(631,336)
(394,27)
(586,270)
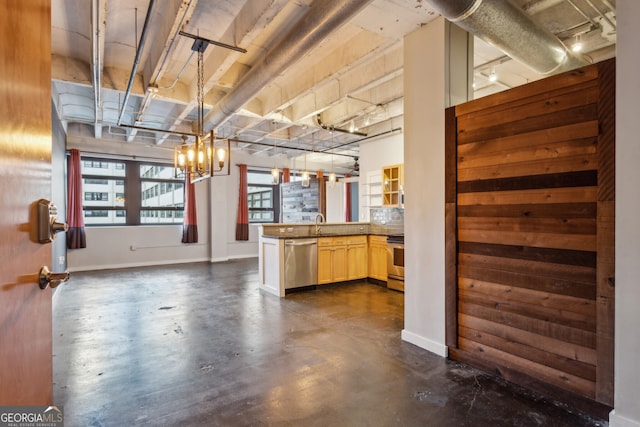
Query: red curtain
(286,175)
(242,225)
(347,199)
(190,222)
(76,238)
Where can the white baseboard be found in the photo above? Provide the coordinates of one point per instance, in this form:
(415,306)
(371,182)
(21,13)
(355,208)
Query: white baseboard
(134,264)
(616,420)
(229,258)
(427,344)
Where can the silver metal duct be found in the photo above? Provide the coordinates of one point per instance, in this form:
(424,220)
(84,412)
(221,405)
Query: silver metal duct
(323,17)
(136,61)
(504,25)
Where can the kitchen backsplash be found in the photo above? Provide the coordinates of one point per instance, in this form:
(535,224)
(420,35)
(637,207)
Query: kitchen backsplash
(387,220)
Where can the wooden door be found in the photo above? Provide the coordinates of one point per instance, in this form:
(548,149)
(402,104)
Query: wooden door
(530,236)
(340,263)
(325,264)
(357,261)
(25,177)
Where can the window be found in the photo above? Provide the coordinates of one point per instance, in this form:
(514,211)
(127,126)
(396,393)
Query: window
(118,192)
(263,197)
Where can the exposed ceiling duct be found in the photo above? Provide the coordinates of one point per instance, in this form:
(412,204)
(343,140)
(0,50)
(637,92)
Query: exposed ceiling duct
(323,17)
(506,26)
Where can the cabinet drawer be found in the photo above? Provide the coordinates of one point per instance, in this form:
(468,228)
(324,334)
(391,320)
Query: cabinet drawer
(356,240)
(378,240)
(332,241)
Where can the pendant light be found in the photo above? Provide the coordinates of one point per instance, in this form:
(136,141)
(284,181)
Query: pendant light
(196,160)
(306,180)
(275,172)
(332,174)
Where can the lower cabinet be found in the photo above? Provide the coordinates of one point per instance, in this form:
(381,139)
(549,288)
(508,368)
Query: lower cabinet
(332,260)
(342,258)
(357,257)
(378,257)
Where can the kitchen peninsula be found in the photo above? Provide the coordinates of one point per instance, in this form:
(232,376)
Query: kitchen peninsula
(300,255)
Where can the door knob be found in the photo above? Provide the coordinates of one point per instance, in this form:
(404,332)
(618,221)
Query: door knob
(46,277)
(48,225)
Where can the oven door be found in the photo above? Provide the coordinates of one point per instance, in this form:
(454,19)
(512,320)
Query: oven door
(395,266)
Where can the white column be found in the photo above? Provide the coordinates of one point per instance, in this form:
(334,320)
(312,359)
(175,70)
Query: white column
(627,337)
(429,87)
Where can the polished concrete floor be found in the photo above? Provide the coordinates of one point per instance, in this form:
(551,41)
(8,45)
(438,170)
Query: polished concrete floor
(199,344)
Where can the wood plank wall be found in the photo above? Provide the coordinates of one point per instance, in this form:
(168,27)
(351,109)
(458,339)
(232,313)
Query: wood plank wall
(530,199)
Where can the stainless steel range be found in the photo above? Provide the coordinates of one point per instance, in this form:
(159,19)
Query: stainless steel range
(395,262)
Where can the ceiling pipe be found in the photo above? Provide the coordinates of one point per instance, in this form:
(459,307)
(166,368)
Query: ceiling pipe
(506,26)
(98,25)
(323,17)
(136,62)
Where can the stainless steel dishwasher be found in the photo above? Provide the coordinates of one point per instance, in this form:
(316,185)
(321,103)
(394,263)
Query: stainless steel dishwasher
(300,263)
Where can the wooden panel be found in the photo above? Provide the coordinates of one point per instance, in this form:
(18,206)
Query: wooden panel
(542,196)
(576,242)
(562,348)
(561,165)
(574,131)
(450,167)
(26,376)
(606,301)
(563,118)
(588,178)
(548,103)
(606,232)
(504,100)
(529,296)
(544,284)
(565,364)
(552,376)
(531,308)
(541,327)
(549,225)
(534,233)
(540,152)
(573,273)
(451,286)
(557,210)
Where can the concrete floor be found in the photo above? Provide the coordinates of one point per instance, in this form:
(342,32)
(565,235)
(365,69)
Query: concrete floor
(199,344)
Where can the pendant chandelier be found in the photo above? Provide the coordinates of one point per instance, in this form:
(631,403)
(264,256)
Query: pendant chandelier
(207,155)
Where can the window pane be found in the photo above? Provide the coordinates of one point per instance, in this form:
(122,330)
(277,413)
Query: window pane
(157,172)
(98,216)
(109,192)
(161,217)
(152,195)
(103,168)
(259,178)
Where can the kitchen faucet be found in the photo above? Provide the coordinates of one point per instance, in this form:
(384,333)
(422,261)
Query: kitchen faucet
(321,218)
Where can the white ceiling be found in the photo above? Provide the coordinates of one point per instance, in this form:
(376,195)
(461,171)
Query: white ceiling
(354,74)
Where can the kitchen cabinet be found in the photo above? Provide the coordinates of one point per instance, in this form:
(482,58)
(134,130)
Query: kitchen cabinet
(357,257)
(392,185)
(378,257)
(332,259)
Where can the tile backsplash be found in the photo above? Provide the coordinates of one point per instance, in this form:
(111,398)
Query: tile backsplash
(387,220)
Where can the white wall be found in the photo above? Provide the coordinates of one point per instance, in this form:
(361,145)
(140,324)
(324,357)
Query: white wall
(424,220)
(118,247)
(335,201)
(627,337)
(374,154)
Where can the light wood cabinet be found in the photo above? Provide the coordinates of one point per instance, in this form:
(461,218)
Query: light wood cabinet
(392,185)
(357,257)
(378,257)
(341,259)
(332,260)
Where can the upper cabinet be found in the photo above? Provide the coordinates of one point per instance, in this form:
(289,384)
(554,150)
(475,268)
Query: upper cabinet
(393,185)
